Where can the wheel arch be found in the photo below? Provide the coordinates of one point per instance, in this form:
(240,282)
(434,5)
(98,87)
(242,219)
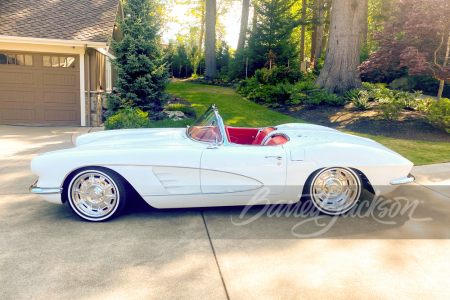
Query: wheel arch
(364,180)
(71,174)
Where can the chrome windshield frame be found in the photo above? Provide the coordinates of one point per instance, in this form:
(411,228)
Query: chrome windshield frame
(221,127)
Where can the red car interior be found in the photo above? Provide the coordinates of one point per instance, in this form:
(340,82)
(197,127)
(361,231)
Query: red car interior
(242,136)
(260,137)
(276,140)
(206,133)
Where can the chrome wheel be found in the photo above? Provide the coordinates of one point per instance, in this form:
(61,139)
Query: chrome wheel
(93,195)
(335,190)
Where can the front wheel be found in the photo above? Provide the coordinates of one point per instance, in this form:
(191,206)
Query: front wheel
(96,195)
(335,190)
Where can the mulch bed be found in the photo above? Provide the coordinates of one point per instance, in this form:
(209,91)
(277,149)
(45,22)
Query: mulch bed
(411,125)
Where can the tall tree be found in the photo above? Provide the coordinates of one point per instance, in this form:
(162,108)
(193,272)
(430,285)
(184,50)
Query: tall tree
(244,24)
(340,69)
(210,39)
(326,26)
(301,56)
(272,32)
(142,70)
(319,28)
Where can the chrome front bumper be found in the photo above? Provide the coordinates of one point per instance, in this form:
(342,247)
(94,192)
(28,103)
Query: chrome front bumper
(37,190)
(408,179)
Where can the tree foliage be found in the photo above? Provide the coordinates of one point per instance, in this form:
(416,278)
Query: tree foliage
(413,40)
(142,72)
(272,32)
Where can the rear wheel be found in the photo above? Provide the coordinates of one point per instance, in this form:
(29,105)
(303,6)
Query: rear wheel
(335,190)
(96,195)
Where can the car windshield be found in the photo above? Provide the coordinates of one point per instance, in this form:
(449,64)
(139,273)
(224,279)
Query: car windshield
(206,128)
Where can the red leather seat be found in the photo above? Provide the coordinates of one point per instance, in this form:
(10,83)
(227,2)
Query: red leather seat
(260,137)
(277,140)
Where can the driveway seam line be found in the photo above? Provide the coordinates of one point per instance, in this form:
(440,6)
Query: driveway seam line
(215,256)
(431,189)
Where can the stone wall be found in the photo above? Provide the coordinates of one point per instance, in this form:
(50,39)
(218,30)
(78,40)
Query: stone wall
(97,101)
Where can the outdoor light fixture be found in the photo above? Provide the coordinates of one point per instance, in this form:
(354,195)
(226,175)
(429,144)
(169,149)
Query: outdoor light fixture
(115,26)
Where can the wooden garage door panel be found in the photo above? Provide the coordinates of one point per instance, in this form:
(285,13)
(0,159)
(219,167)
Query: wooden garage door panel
(16,78)
(17,96)
(59,80)
(60,115)
(25,115)
(60,97)
(37,94)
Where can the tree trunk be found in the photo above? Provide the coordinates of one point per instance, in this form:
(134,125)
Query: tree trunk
(314,37)
(301,56)
(365,24)
(326,27)
(210,39)
(244,24)
(202,31)
(319,29)
(441,83)
(340,69)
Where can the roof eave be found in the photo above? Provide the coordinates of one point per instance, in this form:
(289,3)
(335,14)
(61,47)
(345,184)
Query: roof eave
(29,40)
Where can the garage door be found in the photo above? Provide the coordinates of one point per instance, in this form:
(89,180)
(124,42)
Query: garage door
(37,88)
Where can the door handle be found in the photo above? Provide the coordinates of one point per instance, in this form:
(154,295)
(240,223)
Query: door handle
(277,157)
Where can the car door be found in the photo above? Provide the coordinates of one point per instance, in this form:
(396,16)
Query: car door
(242,169)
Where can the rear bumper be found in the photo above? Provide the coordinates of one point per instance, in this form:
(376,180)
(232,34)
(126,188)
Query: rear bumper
(408,179)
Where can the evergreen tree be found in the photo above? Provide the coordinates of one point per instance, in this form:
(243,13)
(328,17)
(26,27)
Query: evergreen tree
(142,72)
(272,32)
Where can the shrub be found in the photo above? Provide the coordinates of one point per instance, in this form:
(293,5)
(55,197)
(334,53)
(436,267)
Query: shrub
(352,94)
(180,107)
(136,118)
(439,114)
(362,100)
(390,109)
(127,118)
(319,96)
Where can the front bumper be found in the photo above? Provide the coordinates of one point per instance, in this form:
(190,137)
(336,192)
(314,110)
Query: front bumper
(408,179)
(38,190)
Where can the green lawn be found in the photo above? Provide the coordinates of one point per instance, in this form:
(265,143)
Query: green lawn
(238,111)
(234,109)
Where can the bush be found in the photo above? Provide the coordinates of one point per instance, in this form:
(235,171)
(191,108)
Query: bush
(390,109)
(361,101)
(319,96)
(135,118)
(127,118)
(180,107)
(439,114)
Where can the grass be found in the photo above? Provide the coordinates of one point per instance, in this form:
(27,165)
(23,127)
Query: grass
(179,107)
(234,109)
(420,153)
(238,111)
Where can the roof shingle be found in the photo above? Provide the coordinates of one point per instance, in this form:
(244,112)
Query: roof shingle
(80,20)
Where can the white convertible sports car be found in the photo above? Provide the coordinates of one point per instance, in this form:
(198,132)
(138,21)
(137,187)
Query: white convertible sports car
(210,164)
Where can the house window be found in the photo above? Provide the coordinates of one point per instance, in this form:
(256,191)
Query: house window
(108,75)
(58,61)
(16,59)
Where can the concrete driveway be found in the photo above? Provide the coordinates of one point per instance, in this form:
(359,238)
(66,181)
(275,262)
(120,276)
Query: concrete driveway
(46,252)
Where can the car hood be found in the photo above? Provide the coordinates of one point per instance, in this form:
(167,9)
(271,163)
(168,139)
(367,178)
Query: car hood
(134,138)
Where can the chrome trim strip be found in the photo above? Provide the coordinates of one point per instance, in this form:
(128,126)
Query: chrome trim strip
(410,178)
(37,190)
